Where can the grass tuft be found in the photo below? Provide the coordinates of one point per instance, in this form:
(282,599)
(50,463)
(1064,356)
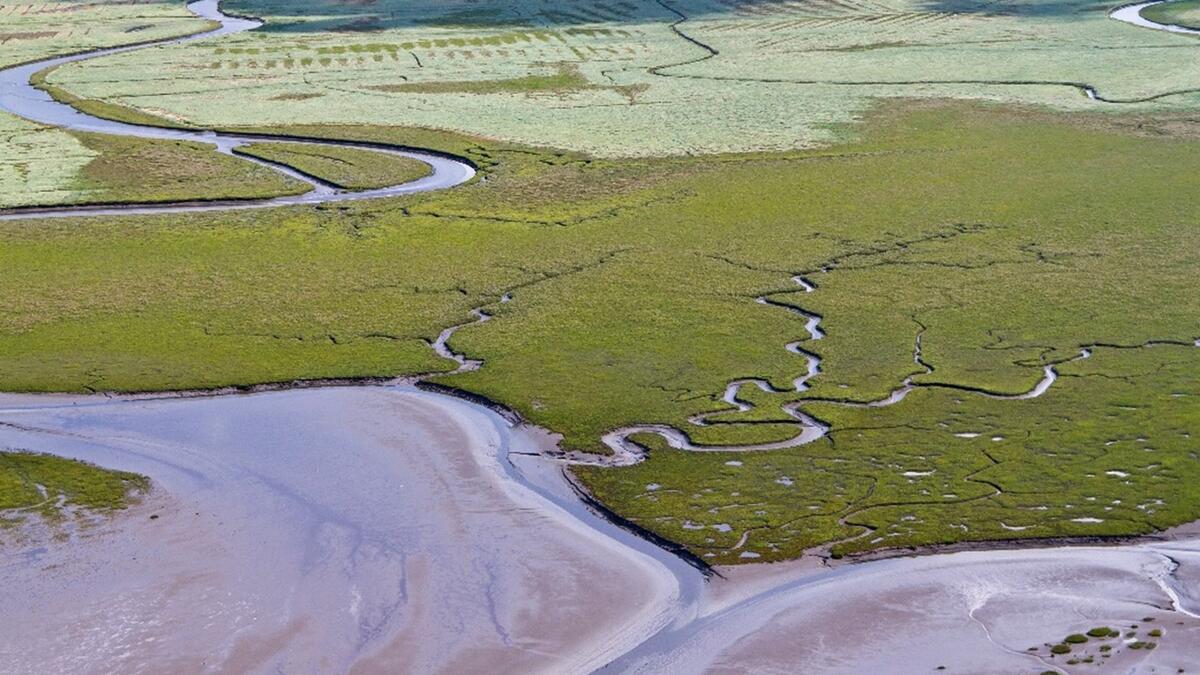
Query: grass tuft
(50,487)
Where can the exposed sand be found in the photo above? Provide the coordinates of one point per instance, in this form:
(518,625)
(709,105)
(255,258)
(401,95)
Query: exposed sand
(974,612)
(368,528)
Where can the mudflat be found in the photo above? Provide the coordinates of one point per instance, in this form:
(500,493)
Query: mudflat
(974,612)
(320,530)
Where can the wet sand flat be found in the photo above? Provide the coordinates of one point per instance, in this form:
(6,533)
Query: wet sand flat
(369,529)
(975,612)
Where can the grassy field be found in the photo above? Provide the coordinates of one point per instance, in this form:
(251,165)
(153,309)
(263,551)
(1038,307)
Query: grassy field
(127,170)
(34,29)
(103,109)
(49,487)
(135,170)
(348,168)
(1007,239)
(1178,12)
(961,246)
(616,79)
(39,165)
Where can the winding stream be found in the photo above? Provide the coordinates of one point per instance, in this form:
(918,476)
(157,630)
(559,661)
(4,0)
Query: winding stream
(626,451)
(19,97)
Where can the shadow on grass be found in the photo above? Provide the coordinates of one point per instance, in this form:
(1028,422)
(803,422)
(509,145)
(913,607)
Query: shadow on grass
(374,15)
(1041,9)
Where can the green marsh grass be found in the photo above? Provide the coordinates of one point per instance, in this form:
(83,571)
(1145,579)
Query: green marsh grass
(1006,239)
(344,167)
(1184,13)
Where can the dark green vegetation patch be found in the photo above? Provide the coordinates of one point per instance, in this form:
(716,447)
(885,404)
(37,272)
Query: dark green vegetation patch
(135,170)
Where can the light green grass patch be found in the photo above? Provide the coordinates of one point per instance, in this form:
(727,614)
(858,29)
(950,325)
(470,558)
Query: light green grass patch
(40,165)
(614,80)
(103,109)
(562,79)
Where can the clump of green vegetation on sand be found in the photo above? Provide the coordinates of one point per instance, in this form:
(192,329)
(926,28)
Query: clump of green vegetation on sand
(47,486)
(1184,13)
(344,167)
(995,237)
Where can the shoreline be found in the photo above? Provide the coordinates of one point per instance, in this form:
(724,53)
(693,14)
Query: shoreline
(1180,532)
(701,603)
(547,449)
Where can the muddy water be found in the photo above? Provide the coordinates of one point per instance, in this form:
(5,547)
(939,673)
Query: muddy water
(377,529)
